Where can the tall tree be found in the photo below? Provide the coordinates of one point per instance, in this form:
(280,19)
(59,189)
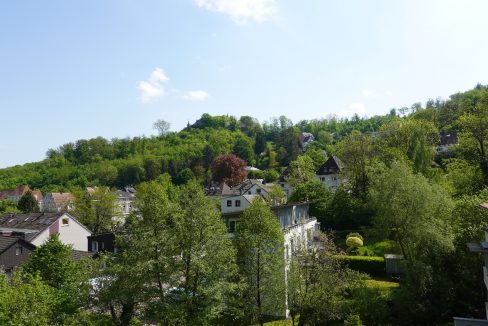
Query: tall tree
(302,171)
(318,285)
(162,127)
(474,124)
(98,210)
(146,266)
(260,246)
(208,258)
(356,151)
(415,214)
(53,262)
(228,168)
(28,203)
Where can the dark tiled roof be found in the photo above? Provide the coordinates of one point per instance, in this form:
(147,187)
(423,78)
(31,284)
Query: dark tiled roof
(332,165)
(7,242)
(31,221)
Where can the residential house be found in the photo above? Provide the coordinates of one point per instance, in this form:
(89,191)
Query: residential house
(102,242)
(330,173)
(56,202)
(238,198)
(125,198)
(448,139)
(36,228)
(306,139)
(14,195)
(13,252)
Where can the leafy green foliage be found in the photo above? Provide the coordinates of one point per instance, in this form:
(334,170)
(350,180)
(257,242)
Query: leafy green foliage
(260,250)
(97,210)
(53,262)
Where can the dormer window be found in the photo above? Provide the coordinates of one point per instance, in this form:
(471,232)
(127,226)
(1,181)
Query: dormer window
(18,251)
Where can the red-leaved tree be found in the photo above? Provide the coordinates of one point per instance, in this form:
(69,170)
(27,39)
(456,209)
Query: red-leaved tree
(228,168)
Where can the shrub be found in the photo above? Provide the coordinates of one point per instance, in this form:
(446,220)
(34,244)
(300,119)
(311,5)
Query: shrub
(374,266)
(356,235)
(354,242)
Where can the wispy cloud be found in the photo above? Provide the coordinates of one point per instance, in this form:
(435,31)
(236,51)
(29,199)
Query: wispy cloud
(152,88)
(196,96)
(241,11)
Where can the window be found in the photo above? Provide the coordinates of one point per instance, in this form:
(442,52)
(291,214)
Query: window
(18,251)
(65,221)
(232,226)
(283,185)
(258,191)
(95,246)
(229,203)
(238,203)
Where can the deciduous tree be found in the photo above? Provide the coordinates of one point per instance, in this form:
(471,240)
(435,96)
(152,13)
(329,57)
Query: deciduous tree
(259,241)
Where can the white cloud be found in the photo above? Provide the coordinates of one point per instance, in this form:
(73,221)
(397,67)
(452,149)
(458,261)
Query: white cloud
(369,93)
(354,108)
(195,96)
(152,88)
(241,10)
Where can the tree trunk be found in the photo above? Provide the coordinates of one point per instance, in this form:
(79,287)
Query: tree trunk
(258,286)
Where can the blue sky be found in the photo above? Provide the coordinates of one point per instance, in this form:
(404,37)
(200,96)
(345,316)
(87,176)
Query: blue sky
(80,69)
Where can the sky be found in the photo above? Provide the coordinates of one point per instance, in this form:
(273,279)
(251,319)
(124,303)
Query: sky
(74,70)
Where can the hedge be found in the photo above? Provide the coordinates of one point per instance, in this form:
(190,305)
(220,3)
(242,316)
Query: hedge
(374,266)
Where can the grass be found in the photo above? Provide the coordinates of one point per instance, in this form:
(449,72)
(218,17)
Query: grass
(383,284)
(284,322)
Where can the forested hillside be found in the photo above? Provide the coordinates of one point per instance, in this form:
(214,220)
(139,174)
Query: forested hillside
(410,132)
(414,182)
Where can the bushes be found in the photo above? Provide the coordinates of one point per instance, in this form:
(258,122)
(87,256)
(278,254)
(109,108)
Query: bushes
(374,266)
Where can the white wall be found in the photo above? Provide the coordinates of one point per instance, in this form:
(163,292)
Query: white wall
(331,181)
(232,209)
(72,234)
(300,234)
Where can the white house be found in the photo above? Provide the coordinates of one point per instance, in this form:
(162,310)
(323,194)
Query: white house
(330,173)
(36,228)
(238,198)
(125,199)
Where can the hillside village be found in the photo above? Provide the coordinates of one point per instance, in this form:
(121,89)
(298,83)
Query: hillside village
(371,220)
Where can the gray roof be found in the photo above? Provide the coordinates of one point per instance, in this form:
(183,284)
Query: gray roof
(126,193)
(243,187)
(30,221)
(31,224)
